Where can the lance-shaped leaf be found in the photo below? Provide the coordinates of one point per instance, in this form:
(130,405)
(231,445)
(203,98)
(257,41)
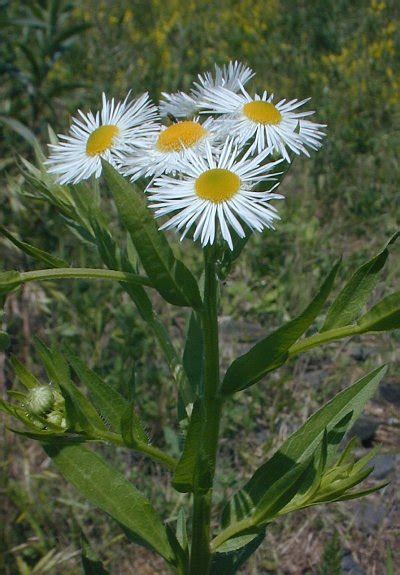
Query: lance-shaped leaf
(193,354)
(192,472)
(132,430)
(271,352)
(27,379)
(36,253)
(229,563)
(384,316)
(106,399)
(108,489)
(331,422)
(350,301)
(169,275)
(281,493)
(275,499)
(346,405)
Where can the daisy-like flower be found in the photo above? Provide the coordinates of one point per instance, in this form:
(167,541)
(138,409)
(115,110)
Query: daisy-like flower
(232,76)
(181,105)
(163,151)
(311,134)
(262,124)
(217,190)
(178,104)
(109,134)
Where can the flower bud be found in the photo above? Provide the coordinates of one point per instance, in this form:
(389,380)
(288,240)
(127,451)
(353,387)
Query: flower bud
(59,403)
(57,418)
(39,400)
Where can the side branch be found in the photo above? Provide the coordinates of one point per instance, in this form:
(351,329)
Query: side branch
(83,273)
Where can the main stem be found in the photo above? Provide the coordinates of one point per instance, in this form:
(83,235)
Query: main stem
(200,559)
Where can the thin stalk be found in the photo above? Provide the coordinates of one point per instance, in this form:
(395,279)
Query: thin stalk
(324,337)
(200,559)
(153,452)
(83,273)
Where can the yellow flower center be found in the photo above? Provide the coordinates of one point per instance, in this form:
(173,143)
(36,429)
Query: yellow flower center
(262,112)
(179,136)
(217,185)
(101,139)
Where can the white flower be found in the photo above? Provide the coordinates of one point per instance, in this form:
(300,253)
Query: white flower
(109,134)
(181,105)
(311,134)
(178,104)
(232,77)
(217,189)
(162,151)
(260,123)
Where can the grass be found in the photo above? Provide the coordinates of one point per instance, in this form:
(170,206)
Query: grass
(344,200)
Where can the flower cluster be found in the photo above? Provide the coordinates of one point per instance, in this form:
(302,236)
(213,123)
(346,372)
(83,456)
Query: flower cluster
(208,154)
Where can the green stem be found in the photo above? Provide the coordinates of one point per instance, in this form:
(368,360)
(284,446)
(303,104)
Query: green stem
(200,559)
(324,337)
(83,273)
(153,452)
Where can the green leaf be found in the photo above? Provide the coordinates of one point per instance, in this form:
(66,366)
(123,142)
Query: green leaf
(343,487)
(193,354)
(108,489)
(348,404)
(169,275)
(181,531)
(271,352)
(230,563)
(350,301)
(36,253)
(384,316)
(4,341)
(132,430)
(24,376)
(105,398)
(192,472)
(281,492)
(80,412)
(111,256)
(9,281)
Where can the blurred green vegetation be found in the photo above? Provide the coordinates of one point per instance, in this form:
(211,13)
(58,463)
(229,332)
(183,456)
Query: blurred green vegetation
(58,56)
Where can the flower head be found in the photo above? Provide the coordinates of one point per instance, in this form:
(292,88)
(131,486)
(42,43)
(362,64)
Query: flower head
(232,76)
(217,189)
(108,134)
(39,399)
(258,122)
(163,150)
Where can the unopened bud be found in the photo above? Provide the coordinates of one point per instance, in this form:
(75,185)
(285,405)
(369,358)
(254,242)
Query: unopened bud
(39,400)
(55,418)
(59,402)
